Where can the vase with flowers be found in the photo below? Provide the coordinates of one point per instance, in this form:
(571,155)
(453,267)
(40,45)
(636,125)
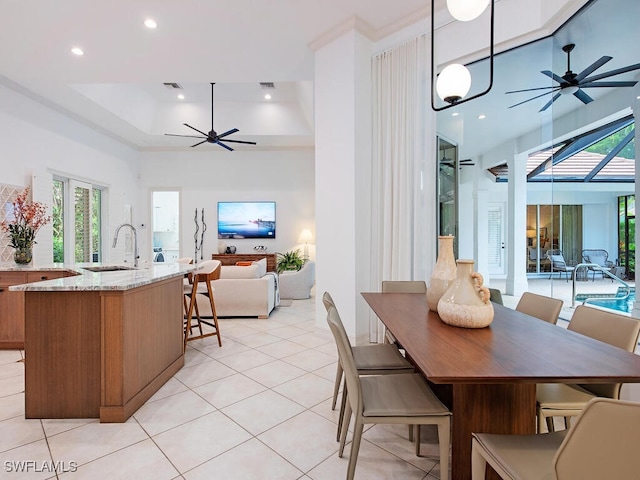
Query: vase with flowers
(23,222)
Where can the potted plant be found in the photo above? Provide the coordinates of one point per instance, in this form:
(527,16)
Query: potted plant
(289,261)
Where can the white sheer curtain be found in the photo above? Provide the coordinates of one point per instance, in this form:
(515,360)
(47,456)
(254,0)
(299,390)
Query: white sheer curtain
(403,170)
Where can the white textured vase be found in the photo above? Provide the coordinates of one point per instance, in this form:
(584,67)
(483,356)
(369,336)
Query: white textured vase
(222,247)
(466,302)
(443,273)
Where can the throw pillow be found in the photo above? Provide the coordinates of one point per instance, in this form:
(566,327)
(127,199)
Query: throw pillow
(244,264)
(234,271)
(262,267)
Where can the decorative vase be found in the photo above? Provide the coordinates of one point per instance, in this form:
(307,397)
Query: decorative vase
(23,255)
(222,247)
(443,273)
(466,302)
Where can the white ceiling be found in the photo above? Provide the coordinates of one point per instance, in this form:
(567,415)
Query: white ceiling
(117,85)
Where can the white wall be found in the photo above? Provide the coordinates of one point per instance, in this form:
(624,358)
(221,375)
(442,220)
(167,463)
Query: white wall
(207,176)
(35,139)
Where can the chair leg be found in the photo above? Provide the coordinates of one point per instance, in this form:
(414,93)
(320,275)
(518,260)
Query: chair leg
(336,387)
(411,433)
(417,437)
(478,463)
(444,439)
(345,428)
(355,448)
(343,403)
(550,425)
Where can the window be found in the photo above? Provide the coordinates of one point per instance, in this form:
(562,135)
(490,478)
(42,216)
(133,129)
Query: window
(77,221)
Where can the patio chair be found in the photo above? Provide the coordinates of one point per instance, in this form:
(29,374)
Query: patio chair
(558,264)
(599,257)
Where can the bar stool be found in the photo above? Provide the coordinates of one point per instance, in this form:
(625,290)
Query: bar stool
(199,283)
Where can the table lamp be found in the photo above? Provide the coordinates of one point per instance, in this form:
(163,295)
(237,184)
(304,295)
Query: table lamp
(306,237)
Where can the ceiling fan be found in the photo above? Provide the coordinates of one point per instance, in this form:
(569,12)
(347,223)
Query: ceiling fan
(467,162)
(212,136)
(573,83)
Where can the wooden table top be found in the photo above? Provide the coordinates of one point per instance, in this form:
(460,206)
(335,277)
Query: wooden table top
(515,348)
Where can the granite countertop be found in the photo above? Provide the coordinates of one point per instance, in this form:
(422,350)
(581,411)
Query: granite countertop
(86,280)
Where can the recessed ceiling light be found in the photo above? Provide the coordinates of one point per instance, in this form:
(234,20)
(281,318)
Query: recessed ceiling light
(455,114)
(180,96)
(638,97)
(482,116)
(267,97)
(150,23)
(77,51)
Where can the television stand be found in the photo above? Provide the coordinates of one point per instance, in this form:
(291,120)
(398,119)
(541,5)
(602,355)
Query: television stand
(232,258)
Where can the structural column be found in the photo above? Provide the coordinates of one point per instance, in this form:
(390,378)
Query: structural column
(517,225)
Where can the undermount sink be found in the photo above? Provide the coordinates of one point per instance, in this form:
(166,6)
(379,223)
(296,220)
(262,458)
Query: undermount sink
(108,268)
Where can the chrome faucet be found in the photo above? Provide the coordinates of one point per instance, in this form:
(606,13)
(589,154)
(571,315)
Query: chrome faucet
(135,241)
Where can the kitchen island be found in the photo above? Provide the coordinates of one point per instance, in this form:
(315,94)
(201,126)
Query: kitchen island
(101,343)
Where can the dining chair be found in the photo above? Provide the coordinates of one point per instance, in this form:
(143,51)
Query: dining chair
(401,286)
(373,359)
(495,296)
(602,444)
(540,306)
(561,400)
(404,398)
(200,284)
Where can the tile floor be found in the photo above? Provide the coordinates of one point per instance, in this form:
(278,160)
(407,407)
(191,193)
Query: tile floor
(257,408)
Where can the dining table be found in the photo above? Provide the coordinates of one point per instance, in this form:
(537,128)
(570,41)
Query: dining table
(488,376)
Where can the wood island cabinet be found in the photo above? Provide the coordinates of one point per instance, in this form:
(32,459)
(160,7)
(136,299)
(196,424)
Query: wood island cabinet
(12,303)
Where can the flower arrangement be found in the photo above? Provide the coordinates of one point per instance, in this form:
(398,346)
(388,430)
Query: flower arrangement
(28,218)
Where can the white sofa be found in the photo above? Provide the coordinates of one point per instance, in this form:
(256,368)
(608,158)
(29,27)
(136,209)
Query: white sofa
(243,291)
(297,284)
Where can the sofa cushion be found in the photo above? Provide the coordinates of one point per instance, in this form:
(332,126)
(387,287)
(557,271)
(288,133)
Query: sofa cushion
(262,267)
(233,271)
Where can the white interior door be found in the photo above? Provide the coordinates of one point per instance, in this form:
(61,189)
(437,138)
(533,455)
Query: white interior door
(496,247)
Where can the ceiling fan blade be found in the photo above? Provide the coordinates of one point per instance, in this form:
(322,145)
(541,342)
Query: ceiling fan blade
(608,84)
(199,143)
(583,97)
(224,146)
(187,136)
(611,73)
(530,89)
(593,67)
(233,130)
(240,141)
(193,128)
(557,78)
(548,104)
(537,96)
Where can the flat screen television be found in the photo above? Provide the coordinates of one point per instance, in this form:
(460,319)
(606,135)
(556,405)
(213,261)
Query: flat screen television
(246,219)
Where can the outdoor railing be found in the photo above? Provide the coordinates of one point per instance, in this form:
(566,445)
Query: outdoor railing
(604,271)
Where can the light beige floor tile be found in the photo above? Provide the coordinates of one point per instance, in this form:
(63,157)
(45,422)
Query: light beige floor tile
(310,359)
(172,387)
(202,373)
(308,390)
(260,324)
(250,461)
(12,406)
(258,340)
(94,440)
(373,462)
(229,390)
(289,331)
(11,385)
(229,347)
(305,440)
(194,357)
(262,411)
(13,462)
(140,461)
(329,349)
(166,413)
(238,330)
(200,440)
(9,356)
(274,373)
(13,369)
(311,340)
(324,409)
(282,348)
(54,426)
(328,372)
(246,360)
(17,431)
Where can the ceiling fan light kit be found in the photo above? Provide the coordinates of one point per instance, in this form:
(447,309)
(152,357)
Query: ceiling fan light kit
(212,136)
(454,82)
(573,83)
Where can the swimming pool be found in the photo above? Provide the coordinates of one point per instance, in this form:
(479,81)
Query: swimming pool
(608,301)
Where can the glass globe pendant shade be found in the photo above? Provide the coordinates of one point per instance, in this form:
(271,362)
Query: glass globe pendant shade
(453,83)
(466,10)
